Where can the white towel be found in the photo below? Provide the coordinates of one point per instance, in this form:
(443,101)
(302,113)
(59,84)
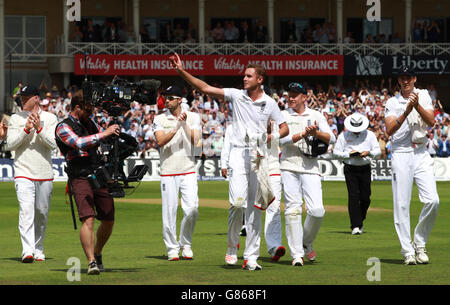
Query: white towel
(418,128)
(260,165)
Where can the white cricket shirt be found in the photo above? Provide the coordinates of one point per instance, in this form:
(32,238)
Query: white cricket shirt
(251,117)
(395,106)
(177,157)
(364,141)
(33,151)
(291,157)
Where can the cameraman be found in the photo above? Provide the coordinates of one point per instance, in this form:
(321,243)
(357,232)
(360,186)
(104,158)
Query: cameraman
(78,138)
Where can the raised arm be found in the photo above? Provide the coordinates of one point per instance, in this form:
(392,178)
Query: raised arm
(70,138)
(198,84)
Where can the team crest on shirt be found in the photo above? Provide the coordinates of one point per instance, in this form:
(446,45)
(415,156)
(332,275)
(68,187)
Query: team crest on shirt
(263,106)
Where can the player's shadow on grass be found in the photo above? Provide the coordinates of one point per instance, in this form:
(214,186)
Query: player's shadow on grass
(231,267)
(163,257)
(284,261)
(280,262)
(107,270)
(391,261)
(340,232)
(18,259)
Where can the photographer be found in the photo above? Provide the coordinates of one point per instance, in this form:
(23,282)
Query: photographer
(78,138)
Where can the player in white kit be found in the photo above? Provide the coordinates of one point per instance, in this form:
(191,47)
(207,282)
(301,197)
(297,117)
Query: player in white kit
(225,160)
(300,174)
(31,135)
(407,115)
(252,109)
(178,134)
(272,224)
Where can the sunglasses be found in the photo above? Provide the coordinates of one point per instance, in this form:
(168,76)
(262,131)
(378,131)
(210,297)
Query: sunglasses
(297,87)
(171,98)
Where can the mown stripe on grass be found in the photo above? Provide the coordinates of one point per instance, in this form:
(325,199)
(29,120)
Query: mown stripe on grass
(224,204)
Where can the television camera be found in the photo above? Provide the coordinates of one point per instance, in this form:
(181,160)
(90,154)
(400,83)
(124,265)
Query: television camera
(115,98)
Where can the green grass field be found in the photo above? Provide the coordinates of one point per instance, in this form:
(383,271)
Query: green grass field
(135,253)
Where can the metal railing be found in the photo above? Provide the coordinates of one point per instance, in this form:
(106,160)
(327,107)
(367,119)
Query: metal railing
(433,49)
(260,49)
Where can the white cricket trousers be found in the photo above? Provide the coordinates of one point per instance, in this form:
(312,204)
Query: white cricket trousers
(309,187)
(34,202)
(272,224)
(171,187)
(243,184)
(415,166)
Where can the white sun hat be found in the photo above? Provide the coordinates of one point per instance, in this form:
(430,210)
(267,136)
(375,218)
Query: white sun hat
(356,122)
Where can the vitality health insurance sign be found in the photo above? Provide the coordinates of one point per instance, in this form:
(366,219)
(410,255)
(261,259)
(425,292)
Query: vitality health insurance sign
(100,64)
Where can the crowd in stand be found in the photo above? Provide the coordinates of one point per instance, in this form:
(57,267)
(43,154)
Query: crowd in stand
(243,31)
(424,31)
(108,32)
(335,102)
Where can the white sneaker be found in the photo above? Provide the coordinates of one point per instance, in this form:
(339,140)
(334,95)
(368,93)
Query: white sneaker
(356,231)
(410,260)
(27,258)
(297,262)
(173,256)
(93,268)
(252,266)
(230,259)
(187,253)
(421,255)
(39,256)
(309,253)
(231,255)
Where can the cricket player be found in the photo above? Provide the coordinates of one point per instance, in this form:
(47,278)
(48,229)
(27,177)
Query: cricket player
(225,153)
(252,110)
(177,132)
(272,224)
(300,174)
(407,115)
(31,134)
(225,166)
(3,130)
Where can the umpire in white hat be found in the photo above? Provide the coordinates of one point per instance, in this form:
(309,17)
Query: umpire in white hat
(356,146)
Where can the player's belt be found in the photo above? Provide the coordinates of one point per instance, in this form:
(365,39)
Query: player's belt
(357,165)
